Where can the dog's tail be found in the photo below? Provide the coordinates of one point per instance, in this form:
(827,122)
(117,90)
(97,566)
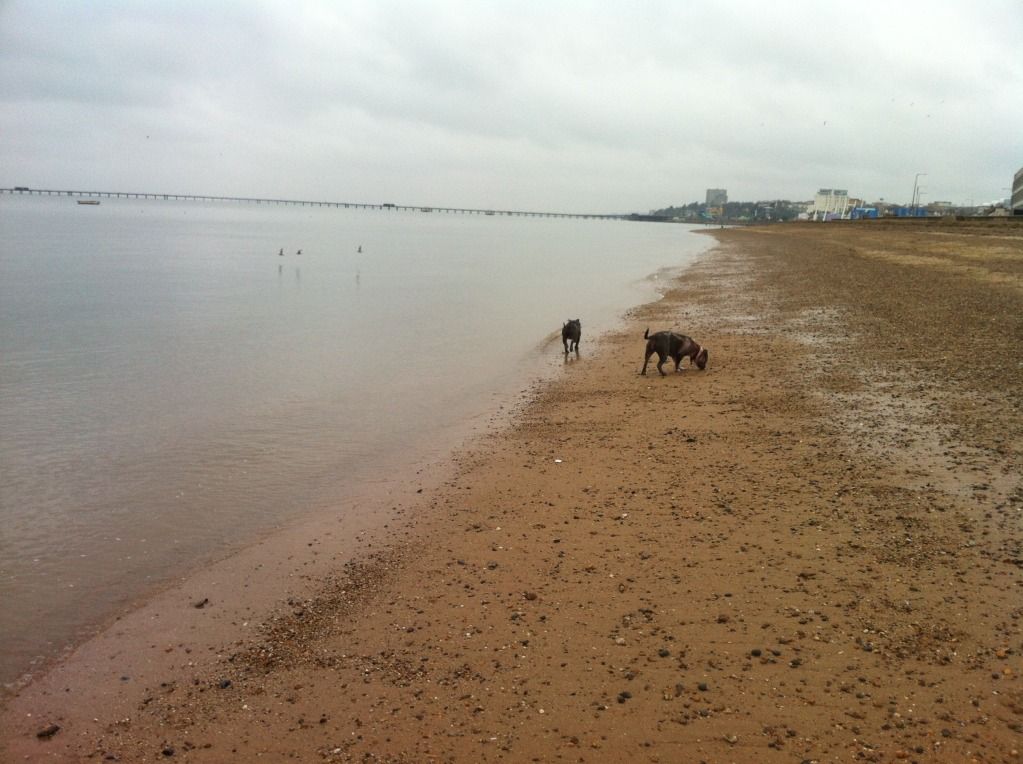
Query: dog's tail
(646,334)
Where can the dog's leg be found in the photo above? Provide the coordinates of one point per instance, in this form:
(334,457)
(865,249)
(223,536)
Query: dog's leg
(646,360)
(661,359)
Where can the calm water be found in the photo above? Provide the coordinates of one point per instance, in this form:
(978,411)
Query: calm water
(171,387)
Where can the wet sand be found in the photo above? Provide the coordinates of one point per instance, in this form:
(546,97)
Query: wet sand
(811,551)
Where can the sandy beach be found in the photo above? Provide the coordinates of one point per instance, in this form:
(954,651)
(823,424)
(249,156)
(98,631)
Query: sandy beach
(812,551)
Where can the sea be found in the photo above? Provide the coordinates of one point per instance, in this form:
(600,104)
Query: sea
(172,386)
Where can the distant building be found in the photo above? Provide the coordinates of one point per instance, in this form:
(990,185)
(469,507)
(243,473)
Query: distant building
(830,204)
(717,197)
(1017,192)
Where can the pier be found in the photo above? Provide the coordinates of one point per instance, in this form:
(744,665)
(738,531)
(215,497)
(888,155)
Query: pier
(384,206)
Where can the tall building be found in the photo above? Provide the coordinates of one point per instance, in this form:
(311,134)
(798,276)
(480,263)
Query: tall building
(1017,192)
(717,197)
(830,203)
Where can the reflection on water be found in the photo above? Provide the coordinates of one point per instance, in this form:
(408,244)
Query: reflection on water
(172,385)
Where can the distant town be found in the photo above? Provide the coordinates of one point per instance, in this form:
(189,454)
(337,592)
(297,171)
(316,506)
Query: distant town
(827,204)
(835,204)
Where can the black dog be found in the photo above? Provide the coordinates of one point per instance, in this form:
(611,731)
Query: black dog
(675,346)
(571,332)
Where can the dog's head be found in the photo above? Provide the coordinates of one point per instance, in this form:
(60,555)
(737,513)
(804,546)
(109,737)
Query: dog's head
(701,358)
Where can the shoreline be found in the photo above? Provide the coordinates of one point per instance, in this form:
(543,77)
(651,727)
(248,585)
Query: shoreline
(751,562)
(300,394)
(366,495)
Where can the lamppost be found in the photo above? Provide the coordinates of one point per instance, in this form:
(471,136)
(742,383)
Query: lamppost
(916,190)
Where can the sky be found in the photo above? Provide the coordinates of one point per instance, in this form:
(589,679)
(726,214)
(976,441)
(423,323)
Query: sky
(592,107)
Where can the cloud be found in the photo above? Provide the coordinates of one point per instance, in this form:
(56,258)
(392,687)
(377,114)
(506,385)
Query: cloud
(563,105)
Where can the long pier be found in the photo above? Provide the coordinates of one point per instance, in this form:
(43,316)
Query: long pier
(386,206)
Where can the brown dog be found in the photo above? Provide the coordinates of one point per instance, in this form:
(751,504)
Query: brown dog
(675,346)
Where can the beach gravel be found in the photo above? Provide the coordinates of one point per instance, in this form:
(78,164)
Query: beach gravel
(810,551)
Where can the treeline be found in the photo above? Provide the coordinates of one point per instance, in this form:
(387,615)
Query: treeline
(734,211)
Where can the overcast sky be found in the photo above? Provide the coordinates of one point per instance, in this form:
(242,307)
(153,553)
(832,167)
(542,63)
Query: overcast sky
(571,106)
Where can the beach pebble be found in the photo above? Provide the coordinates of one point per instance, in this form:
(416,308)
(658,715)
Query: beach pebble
(47,732)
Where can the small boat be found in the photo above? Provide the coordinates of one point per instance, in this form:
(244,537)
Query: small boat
(88,201)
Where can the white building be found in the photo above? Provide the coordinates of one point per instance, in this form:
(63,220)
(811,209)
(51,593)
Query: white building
(829,204)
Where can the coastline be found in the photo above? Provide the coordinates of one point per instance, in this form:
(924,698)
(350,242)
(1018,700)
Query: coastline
(116,482)
(797,554)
